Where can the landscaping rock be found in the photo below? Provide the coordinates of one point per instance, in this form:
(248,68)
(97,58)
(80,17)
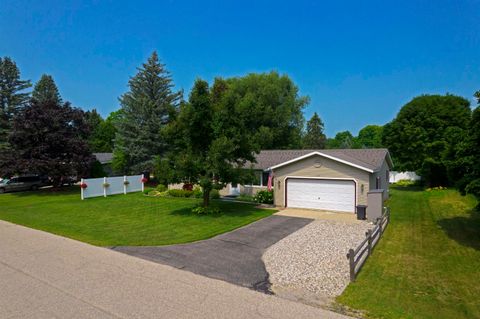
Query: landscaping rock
(312,261)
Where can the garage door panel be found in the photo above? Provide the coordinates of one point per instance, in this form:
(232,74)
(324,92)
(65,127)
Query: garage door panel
(335,195)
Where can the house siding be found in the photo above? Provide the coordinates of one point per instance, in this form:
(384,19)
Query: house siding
(384,182)
(327,169)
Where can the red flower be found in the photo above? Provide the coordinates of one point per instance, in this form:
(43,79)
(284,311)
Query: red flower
(83,185)
(144,180)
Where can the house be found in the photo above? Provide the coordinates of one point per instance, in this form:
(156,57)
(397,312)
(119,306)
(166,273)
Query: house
(334,179)
(105,159)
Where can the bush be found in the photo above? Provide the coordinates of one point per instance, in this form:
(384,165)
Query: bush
(197,192)
(405,183)
(161,188)
(245,198)
(474,188)
(214,194)
(187,187)
(264,197)
(180,193)
(209,210)
(147,190)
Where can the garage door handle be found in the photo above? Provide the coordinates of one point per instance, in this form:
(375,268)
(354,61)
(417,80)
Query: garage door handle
(318,197)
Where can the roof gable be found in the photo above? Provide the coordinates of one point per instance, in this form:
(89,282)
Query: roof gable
(369,160)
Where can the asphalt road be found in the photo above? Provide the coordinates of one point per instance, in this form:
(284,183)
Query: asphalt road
(47,276)
(235,257)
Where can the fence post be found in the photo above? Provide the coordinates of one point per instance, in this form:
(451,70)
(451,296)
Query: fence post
(351,259)
(104,188)
(380,231)
(81,189)
(143,184)
(369,241)
(124,185)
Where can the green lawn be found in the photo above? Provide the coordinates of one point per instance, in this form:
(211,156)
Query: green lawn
(427,265)
(132,219)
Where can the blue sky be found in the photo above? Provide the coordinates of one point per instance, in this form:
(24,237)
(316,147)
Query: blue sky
(359,62)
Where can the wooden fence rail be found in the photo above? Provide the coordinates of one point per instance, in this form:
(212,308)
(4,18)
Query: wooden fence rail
(359,255)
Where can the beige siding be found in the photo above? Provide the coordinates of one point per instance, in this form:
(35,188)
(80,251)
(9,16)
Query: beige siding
(384,183)
(327,169)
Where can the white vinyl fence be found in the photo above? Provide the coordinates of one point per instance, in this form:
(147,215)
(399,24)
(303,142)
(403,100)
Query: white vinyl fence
(94,187)
(398,176)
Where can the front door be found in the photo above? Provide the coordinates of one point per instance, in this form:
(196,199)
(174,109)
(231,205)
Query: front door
(234,190)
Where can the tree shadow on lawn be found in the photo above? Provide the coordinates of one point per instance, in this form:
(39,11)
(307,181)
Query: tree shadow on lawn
(225,209)
(49,191)
(464,230)
(414,188)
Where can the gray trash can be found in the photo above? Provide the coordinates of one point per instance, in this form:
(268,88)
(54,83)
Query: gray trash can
(362,212)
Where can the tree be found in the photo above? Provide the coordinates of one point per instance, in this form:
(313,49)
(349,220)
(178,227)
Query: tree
(11,96)
(370,137)
(145,111)
(314,137)
(270,104)
(343,139)
(424,134)
(48,138)
(46,90)
(102,132)
(212,141)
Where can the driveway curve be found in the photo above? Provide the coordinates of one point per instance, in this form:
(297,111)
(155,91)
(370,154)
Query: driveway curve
(235,257)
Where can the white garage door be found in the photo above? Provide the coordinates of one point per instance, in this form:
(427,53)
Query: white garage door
(325,194)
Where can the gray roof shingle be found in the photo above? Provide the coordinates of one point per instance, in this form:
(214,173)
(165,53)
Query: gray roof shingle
(104,158)
(368,158)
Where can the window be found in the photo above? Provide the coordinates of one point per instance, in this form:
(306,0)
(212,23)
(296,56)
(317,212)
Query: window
(257,180)
(265,178)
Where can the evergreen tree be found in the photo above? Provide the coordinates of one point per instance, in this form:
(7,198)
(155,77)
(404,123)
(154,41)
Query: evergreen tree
(102,132)
(145,111)
(48,138)
(11,96)
(314,137)
(46,90)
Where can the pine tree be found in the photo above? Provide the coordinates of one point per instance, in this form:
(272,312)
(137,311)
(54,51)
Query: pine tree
(314,137)
(46,90)
(11,96)
(146,109)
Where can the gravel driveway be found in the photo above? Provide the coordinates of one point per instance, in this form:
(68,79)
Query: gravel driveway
(311,264)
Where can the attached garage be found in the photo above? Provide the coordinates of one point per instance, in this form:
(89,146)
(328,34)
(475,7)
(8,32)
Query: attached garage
(318,193)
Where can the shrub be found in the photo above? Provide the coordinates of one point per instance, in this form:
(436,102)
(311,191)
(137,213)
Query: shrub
(245,198)
(264,197)
(209,210)
(187,187)
(214,194)
(197,192)
(161,188)
(180,193)
(147,190)
(474,188)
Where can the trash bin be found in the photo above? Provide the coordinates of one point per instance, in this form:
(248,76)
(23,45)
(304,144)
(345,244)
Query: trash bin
(362,212)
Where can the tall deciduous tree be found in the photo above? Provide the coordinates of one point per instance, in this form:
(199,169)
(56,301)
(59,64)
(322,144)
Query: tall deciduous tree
(422,137)
(271,105)
(314,137)
(343,139)
(48,138)
(102,132)
(12,96)
(46,90)
(213,141)
(145,110)
(370,137)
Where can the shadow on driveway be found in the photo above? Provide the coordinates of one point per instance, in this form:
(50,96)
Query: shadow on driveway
(235,257)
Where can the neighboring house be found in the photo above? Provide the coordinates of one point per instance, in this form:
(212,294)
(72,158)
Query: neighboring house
(335,179)
(106,160)
(398,176)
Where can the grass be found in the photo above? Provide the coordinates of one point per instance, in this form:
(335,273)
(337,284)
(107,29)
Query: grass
(427,265)
(132,219)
